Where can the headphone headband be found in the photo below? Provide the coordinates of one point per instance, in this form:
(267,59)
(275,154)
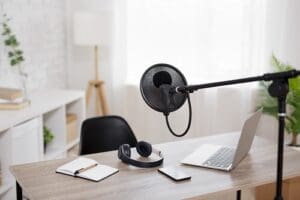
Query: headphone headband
(124,154)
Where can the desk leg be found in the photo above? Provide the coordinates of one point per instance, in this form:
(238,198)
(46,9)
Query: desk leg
(238,195)
(19,191)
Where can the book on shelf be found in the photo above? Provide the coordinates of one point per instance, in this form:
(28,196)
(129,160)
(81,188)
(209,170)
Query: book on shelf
(10,94)
(71,127)
(13,105)
(86,168)
(18,100)
(12,99)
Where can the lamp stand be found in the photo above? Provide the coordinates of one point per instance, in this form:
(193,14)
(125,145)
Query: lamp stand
(98,86)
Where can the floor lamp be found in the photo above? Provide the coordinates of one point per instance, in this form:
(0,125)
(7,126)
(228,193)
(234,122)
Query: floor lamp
(88,32)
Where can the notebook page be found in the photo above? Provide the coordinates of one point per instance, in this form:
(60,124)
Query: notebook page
(98,173)
(76,164)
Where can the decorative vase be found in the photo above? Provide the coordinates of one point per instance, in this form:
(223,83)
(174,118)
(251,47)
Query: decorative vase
(23,80)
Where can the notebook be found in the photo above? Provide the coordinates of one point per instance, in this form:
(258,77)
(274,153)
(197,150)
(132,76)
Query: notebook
(87,168)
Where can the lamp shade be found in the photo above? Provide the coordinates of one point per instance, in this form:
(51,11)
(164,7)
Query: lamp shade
(87,29)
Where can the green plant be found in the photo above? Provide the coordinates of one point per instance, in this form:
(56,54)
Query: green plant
(15,54)
(270,106)
(48,135)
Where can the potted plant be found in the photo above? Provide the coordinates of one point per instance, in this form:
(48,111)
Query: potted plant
(270,107)
(48,136)
(15,54)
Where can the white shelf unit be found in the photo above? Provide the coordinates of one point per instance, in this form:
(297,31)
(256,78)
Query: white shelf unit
(21,131)
(6,161)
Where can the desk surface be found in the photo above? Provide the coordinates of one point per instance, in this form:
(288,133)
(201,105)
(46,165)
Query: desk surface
(40,181)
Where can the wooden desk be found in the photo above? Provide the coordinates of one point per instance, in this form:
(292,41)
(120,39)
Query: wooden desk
(40,181)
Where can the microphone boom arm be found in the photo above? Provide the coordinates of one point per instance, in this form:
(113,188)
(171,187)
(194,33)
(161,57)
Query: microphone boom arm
(264,77)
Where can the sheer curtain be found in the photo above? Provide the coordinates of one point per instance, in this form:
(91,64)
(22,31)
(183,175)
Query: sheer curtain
(208,41)
(215,39)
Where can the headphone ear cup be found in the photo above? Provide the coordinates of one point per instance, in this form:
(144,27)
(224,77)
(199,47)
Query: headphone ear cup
(124,150)
(144,148)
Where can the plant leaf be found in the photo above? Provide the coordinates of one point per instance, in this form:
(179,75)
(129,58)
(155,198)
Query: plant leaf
(13,62)
(10,54)
(270,105)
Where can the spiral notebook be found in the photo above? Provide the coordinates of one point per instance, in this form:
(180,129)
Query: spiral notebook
(86,168)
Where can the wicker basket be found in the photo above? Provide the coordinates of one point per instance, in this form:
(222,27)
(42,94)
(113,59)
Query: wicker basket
(71,128)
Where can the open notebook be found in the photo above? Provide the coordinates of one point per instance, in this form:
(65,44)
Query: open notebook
(86,168)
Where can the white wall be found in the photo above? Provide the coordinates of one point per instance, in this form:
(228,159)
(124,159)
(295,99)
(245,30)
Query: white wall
(291,42)
(283,29)
(40,27)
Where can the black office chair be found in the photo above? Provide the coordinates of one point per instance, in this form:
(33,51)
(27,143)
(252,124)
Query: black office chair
(106,133)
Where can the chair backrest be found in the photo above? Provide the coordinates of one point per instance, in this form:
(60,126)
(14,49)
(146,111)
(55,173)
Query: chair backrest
(106,133)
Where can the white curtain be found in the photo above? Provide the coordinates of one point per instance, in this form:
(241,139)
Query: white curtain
(207,40)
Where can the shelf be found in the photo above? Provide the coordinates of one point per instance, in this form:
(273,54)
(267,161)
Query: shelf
(40,104)
(21,132)
(53,153)
(5,187)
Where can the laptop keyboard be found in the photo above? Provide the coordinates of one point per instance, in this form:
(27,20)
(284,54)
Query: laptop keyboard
(221,159)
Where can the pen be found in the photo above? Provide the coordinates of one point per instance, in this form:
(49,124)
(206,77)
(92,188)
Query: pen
(84,169)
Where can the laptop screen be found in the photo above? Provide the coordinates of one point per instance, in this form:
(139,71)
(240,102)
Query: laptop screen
(247,136)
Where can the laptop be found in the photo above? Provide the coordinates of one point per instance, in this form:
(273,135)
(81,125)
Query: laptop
(222,157)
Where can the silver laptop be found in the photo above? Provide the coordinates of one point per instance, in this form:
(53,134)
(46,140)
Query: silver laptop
(225,158)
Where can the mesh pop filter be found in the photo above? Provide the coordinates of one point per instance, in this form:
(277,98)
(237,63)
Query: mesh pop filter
(153,78)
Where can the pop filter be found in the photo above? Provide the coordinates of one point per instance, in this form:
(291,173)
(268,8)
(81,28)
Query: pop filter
(162,77)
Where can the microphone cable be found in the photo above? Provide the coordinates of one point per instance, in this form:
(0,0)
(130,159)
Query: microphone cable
(189,122)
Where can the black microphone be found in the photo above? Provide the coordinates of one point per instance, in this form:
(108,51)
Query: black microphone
(163,81)
(162,77)
(158,88)
(166,97)
(157,84)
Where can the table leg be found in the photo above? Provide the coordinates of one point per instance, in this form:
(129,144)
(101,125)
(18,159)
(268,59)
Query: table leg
(238,195)
(19,191)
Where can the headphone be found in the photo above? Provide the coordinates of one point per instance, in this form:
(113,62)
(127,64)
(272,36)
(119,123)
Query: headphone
(144,149)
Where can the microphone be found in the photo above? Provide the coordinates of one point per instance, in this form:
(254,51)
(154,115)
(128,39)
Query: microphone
(162,77)
(157,84)
(166,97)
(163,81)
(158,88)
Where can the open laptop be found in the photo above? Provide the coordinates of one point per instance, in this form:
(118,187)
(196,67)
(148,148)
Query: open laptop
(225,158)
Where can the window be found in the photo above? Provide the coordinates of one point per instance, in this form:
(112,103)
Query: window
(212,39)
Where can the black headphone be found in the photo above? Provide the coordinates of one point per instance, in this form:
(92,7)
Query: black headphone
(144,149)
